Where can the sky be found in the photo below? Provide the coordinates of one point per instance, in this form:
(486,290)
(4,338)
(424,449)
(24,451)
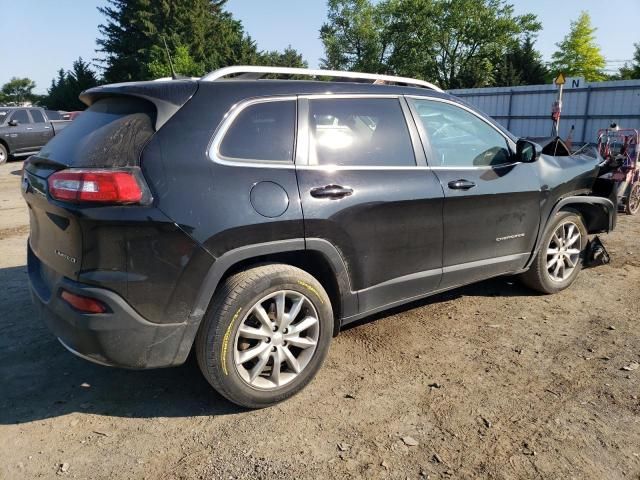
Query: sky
(41,36)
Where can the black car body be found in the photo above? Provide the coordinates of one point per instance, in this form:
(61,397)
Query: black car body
(239,173)
(23,131)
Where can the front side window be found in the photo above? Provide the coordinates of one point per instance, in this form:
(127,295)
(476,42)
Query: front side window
(263,131)
(21,116)
(460,139)
(37,116)
(359,132)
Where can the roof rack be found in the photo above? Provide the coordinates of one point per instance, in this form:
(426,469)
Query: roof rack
(252,72)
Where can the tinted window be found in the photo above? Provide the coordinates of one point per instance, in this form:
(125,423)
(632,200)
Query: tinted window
(37,116)
(53,115)
(359,131)
(21,116)
(459,138)
(263,131)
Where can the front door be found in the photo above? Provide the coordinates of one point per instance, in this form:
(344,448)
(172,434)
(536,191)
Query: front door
(22,133)
(366,189)
(492,204)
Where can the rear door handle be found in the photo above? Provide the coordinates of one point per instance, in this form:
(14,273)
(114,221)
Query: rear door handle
(333,192)
(461,184)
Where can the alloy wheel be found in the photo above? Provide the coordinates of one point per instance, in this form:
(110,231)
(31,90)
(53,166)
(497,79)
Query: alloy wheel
(276,340)
(633,203)
(563,251)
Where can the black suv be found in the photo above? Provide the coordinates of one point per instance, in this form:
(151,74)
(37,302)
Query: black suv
(250,219)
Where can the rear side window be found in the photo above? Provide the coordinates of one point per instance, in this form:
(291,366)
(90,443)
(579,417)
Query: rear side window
(263,131)
(21,116)
(110,133)
(37,116)
(359,132)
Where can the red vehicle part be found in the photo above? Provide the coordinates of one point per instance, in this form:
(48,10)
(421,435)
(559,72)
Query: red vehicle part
(621,150)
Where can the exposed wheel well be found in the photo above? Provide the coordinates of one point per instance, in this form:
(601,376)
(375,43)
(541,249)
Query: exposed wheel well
(2,142)
(312,262)
(596,218)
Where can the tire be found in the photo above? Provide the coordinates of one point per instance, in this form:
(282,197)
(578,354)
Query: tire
(4,154)
(221,346)
(554,278)
(633,200)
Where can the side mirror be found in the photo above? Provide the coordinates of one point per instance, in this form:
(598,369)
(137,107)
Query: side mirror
(14,123)
(527,152)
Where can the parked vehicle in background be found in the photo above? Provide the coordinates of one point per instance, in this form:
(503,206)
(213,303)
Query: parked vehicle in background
(252,219)
(24,131)
(70,115)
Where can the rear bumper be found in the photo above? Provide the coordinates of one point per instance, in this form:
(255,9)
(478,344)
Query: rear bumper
(120,338)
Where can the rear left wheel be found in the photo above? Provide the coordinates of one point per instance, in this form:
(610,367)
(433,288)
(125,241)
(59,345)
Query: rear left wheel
(266,335)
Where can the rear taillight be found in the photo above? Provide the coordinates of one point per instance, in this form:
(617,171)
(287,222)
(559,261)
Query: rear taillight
(103,186)
(83,304)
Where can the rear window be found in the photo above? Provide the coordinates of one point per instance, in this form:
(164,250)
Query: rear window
(110,133)
(263,131)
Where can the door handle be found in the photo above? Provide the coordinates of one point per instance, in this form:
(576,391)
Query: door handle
(29,128)
(333,192)
(461,184)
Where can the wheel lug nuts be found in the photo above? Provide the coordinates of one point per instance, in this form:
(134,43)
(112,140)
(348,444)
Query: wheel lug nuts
(273,349)
(268,340)
(286,330)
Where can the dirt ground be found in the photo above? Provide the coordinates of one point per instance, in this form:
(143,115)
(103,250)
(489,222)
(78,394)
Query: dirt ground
(487,381)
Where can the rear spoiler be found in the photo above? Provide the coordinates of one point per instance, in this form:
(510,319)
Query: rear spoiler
(167,96)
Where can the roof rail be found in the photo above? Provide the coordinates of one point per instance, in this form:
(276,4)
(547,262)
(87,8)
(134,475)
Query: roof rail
(253,72)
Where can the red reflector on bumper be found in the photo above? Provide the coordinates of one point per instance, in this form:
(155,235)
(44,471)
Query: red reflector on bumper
(83,304)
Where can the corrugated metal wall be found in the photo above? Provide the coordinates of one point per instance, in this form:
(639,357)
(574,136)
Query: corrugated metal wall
(526,111)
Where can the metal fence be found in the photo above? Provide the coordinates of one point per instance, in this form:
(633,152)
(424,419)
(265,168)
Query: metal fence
(526,111)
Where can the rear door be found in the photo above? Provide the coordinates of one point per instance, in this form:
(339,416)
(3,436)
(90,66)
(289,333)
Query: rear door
(42,130)
(492,203)
(366,189)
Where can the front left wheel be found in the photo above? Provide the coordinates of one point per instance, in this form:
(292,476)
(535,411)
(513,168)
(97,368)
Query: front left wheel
(4,154)
(265,335)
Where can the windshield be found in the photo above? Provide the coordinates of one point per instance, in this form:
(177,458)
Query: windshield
(4,114)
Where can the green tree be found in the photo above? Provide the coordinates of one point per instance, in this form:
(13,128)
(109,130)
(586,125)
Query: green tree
(522,65)
(200,33)
(290,57)
(353,36)
(183,63)
(578,54)
(65,89)
(18,90)
(454,43)
(631,71)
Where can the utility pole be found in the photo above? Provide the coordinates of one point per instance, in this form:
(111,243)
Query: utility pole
(556,108)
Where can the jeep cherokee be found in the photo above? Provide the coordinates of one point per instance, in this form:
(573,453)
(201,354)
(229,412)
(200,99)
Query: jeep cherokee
(249,219)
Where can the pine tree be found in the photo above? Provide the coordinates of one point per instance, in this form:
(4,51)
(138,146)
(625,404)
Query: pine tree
(522,65)
(632,71)
(200,32)
(64,92)
(578,54)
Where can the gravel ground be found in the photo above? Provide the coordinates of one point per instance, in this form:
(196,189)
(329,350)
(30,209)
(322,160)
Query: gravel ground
(487,381)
